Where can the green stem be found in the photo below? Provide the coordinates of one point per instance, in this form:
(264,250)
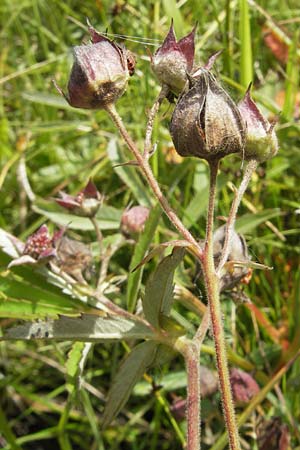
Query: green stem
(212,289)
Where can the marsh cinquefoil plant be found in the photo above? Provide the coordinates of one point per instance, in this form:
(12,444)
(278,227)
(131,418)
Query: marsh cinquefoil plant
(206,123)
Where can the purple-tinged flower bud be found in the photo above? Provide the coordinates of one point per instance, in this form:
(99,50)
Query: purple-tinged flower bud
(174,59)
(236,268)
(99,74)
(261,141)
(243,386)
(39,248)
(206,123)
(86,203)
(133,220)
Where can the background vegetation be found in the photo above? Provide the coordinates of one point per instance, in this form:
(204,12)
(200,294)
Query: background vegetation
(63,147)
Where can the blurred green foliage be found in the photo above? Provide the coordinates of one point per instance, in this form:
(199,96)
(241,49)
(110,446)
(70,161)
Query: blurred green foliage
(63,147)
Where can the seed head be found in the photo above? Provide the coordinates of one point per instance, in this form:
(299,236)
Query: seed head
(206,122)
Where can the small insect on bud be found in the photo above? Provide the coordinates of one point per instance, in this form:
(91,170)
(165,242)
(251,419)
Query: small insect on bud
(174,59)
(206,123)
(99,74)
(243,386)
(235,268)
(261,140)
(86,203)
(133,220)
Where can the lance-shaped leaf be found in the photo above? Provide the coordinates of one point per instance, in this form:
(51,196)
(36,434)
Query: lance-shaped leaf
(159,288)
(89,328)
(131,370)
(135,278)
(20,299)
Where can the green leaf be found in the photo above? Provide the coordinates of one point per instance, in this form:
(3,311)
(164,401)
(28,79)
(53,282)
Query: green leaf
(21,299)
(131,370)
(89,328)
(159,288)
(128,174)
(197,206)
(173,12)
(249,222)
(56,101)
(145,238)
(108,217)
(292,80)
(7,432)
(75,364)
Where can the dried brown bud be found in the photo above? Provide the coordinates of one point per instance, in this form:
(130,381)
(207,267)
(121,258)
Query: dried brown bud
(236,267)
(243,386)
(174,59)
(133,220)
(206,123)
(73,257)
(99,74)
(273,435)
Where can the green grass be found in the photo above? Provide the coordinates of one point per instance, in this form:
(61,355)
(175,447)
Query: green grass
(63,147)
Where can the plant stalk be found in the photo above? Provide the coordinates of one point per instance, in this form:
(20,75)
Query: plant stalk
(212,289)
(151,116)
(193,403)
(250,168)
(147,171)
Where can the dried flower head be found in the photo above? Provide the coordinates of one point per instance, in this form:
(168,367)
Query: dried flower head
(99,74)
(206,122)
(39,248)
(273,435)
(174,60)
(73,257)
(261,141)
(86,203)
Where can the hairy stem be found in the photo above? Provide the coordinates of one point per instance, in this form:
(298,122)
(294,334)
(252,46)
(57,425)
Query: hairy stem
(151,116)
(147,171)
(250,168)
(100,245)
(213,295)
(193,404)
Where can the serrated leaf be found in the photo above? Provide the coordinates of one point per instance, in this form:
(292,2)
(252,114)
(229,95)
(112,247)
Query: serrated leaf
(248,222)
(89,328)
(134,278)
(159,288)
(128,174)
(159,249)
(133,367)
